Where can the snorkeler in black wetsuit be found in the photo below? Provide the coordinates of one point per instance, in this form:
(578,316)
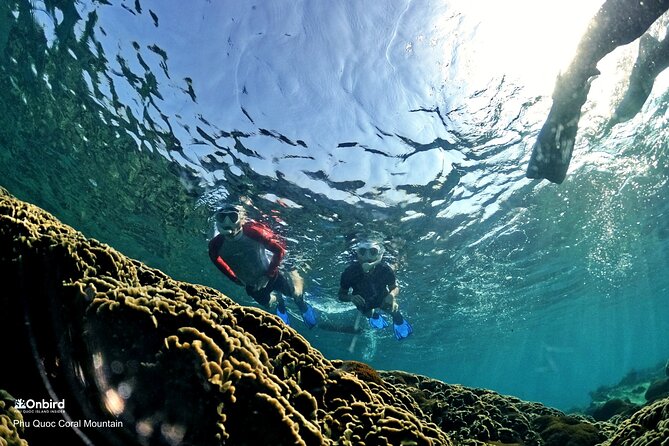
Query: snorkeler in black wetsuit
(374,286)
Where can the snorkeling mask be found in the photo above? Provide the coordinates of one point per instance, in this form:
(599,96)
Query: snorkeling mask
(369,254)
(229,220)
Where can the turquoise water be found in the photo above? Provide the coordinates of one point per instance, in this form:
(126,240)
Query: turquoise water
(132,121)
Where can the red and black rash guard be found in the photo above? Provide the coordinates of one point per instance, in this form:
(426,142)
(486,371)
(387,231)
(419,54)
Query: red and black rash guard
(243,258)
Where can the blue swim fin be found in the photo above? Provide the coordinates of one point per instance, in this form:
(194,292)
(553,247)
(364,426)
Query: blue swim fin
(402,330)
(377,321)
(309,316)
(283,315)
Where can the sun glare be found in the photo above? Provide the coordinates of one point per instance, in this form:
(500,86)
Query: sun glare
(532,40)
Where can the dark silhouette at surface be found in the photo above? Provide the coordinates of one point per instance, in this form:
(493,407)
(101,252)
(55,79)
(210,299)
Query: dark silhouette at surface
(653,58)
(618,22)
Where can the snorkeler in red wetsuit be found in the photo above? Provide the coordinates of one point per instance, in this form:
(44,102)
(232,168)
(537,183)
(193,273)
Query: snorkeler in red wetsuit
(239,252)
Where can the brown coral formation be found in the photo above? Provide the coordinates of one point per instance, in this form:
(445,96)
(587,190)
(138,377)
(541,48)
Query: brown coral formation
(615,407)
(473,416)
(647,427)
(657,390)
(10,432)
(177,363)
(567,431)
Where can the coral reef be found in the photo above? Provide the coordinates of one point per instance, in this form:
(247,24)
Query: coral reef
(649,426)
(175,362)
(479,416)
(657,390)
(567,431)
(179,363)
(619,401)
(614,407)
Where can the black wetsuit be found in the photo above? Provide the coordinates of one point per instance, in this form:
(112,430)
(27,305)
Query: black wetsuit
(373,286)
